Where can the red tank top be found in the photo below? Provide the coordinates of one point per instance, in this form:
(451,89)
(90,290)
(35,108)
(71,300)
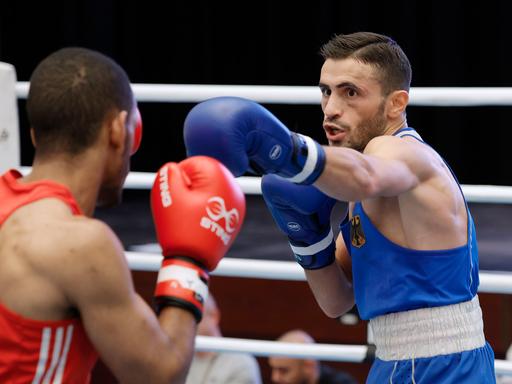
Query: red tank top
(33,351)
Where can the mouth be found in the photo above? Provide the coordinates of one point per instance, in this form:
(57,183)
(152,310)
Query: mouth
(334,133)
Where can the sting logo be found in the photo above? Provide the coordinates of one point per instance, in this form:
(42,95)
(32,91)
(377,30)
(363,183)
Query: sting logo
(216,210)
(163,179)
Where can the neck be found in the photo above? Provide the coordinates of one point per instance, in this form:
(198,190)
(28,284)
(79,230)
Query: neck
(395,126)
(80,174)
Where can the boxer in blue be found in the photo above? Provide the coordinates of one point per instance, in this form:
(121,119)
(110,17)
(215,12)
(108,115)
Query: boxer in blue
(407,253)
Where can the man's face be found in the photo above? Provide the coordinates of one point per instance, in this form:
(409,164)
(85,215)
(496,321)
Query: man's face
(287,371)
(111,189)
(209,324)
(352,103)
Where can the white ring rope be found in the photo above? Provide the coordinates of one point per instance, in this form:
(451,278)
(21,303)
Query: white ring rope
(144,180)
(325,352)
(272,94)
(252,186)
(490,282)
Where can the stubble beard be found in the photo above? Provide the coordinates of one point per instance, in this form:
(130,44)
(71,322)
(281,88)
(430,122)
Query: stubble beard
(111,193)
(109,197)
(366,130)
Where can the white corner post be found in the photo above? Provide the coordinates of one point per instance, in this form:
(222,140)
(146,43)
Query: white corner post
(9,125)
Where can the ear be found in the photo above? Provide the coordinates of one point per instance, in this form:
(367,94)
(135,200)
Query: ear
(33,137)
(396,104)
(118,132)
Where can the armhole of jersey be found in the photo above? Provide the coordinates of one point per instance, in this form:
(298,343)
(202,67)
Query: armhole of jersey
(411,132)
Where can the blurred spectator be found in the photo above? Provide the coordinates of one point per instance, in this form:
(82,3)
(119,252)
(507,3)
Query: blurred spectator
(220,368)
(286,370)
(502,379)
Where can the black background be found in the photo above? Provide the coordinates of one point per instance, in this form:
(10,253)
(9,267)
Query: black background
(449,43)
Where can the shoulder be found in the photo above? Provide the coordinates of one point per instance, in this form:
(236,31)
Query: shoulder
(47,231)
(61,237)
(394,146)
(422,159)
(93,236)
(70,249)
(96,268)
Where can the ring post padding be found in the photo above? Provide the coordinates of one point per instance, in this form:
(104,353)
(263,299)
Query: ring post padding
(9,126)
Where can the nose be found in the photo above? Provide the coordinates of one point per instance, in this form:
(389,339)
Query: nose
(332,108)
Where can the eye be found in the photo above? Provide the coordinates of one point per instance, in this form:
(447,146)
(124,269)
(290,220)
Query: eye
(351,92)
(325,91)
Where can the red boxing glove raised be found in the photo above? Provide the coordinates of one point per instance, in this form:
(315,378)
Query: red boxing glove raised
(198,210)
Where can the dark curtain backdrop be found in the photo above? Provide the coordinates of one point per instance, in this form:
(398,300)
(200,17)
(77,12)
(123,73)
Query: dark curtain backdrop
(449,43)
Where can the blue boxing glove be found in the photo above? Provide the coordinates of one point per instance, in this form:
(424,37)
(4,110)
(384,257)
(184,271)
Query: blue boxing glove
(303,213)
(243,135)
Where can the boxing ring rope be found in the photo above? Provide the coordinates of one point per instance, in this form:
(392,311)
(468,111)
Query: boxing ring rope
(251,185)
(272,94)
(326,352)
(490,282)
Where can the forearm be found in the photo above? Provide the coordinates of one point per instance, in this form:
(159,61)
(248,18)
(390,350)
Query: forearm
(139,347)
(180,327)
(347,175)
(332,290)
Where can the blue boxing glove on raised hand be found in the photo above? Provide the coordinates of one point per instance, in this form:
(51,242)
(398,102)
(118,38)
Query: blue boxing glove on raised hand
(303,213)
(243,135)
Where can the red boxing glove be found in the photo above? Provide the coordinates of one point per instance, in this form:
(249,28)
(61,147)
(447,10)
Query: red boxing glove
(198,210)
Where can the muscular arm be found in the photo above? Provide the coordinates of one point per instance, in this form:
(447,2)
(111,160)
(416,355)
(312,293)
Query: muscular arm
(389,166)
(332,285)
(135,345)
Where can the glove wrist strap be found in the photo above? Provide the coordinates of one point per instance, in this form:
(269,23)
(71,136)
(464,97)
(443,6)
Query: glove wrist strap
(315,159)
(182,283)
(318,255)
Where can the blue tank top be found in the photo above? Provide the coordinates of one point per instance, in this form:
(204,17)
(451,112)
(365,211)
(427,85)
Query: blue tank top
(390,278)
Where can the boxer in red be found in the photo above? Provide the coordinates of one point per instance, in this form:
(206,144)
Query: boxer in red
(66,293)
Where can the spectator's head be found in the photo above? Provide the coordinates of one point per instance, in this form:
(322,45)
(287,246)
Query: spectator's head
(209,325)
(286,370)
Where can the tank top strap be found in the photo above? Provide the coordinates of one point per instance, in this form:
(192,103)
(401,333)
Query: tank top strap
(408,131)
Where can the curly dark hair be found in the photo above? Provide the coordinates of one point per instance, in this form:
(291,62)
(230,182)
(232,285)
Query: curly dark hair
(72,92)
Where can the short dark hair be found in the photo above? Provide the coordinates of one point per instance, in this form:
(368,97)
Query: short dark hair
(374,49)
(72,92)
